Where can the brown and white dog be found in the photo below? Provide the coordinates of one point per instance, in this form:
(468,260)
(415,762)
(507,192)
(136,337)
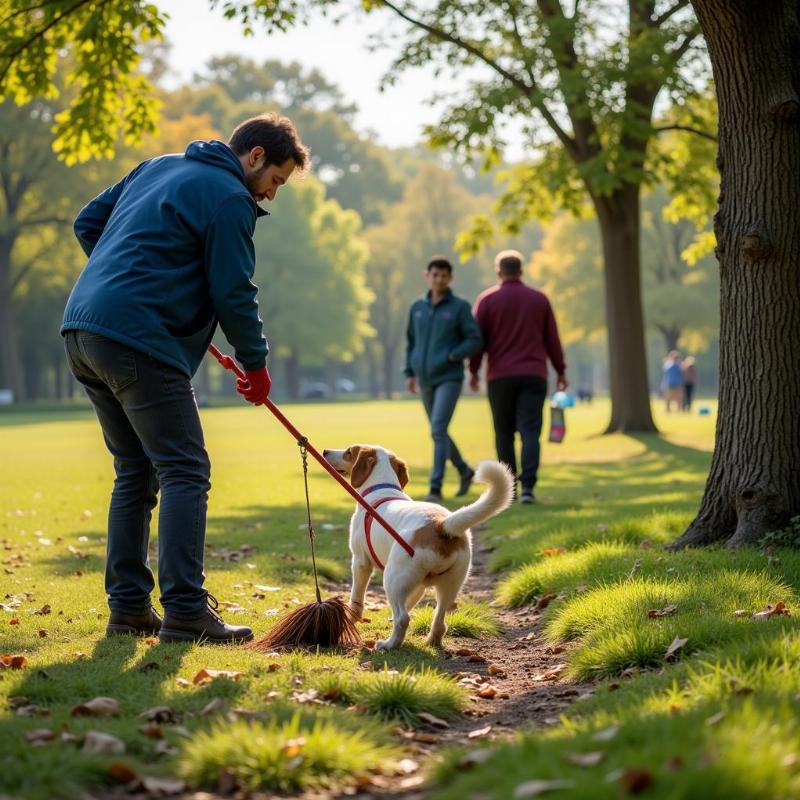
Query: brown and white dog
(441,540)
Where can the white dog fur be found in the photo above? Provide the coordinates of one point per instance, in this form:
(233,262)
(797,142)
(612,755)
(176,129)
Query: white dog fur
(441,540)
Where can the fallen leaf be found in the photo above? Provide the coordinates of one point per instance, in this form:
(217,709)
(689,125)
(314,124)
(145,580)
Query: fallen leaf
(607,734)
(716,718)
(427,738)
(464,651)
(152,730)
(677,644)
(430,719)
(162,714)
(13,662)
(233,607)
(308,696)
(122,773)
(550,674)
(42,633)
(535,788)
(667,611)
(635,781)
(99,707)
(164,748)
(215,706)
(14,621)
(407,766)
(552,551)
(44,610)
(477,659)
(586,759)
(207,675)
(740,612)
(778,610)
(497,671)
(544,601)
(38,735)
(97,742)
(478,732)
(293,747)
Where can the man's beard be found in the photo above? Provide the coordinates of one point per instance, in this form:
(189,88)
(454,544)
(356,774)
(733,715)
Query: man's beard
(252,181)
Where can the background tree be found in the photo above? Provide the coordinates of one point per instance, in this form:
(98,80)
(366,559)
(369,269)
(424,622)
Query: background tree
(753,486)
(34,192)
(585,93)
(680,298)
(310,269)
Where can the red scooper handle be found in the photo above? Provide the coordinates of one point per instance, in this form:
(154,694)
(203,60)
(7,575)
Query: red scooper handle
(229,363)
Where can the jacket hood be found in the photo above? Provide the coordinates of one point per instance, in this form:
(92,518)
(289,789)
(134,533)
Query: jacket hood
(218,154)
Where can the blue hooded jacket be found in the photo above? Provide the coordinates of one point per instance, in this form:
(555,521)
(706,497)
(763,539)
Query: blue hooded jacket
(170,255)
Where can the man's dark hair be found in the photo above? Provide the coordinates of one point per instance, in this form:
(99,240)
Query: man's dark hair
(509,262)
(439,262)
(277,135)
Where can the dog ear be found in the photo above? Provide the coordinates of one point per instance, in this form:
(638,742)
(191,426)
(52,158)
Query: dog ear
(365,463)
(401,470)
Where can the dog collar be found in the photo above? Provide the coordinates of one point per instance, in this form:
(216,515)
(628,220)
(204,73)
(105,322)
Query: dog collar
(380,486)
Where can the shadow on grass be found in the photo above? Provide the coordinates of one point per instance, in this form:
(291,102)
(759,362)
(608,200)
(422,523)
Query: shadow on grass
(138,679)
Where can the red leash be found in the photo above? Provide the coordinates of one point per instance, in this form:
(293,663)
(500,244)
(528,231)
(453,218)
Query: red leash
(230,364)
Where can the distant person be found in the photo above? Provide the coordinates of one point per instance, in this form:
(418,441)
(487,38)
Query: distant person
(689,371)
(170,257)
(441,334)
(519,336)
(672,380)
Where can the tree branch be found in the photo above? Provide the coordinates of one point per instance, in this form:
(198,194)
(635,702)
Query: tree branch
(663,17)
(527,91)
(688,129)
(27,10)
(11,56)
(43,221)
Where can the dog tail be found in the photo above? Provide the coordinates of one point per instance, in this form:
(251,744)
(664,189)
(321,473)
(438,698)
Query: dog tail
(494,500)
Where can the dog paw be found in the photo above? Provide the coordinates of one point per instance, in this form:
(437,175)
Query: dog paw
(357,611)
(385,644)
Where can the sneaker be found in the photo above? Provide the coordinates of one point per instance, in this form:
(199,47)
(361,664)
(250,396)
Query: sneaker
(208,627)
(526,498)
(466,482)
(122,624)
(433,496)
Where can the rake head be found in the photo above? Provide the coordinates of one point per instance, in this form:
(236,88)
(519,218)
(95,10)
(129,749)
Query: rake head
(326,623)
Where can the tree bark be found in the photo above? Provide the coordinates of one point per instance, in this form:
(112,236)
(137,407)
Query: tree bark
(11,375)
(753,486)
(619,219)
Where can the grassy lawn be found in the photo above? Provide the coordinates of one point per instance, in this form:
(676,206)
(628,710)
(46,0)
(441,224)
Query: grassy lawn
(722,715)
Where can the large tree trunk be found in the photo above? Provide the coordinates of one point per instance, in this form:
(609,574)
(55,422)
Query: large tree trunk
(754,486)
(11,376)
(618,216)
(372,369)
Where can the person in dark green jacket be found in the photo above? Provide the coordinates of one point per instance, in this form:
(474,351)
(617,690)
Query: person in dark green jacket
(441,334)
(171,256)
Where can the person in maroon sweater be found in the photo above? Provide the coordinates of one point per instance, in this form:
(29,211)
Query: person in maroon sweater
(519,336)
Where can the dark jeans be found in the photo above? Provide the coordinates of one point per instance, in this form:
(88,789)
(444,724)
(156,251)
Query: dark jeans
(688,396)
(440,404)
(152,427)
(517,404)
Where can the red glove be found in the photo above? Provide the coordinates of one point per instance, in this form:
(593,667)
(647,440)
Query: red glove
(256,388)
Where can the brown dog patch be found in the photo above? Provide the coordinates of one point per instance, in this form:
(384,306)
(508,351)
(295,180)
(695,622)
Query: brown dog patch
(433,536)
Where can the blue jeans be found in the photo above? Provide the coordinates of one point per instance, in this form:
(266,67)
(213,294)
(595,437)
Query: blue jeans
(440,404)
(152,428)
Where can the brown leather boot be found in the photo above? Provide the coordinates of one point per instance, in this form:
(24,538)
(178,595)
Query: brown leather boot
(122,624)
(208,627)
